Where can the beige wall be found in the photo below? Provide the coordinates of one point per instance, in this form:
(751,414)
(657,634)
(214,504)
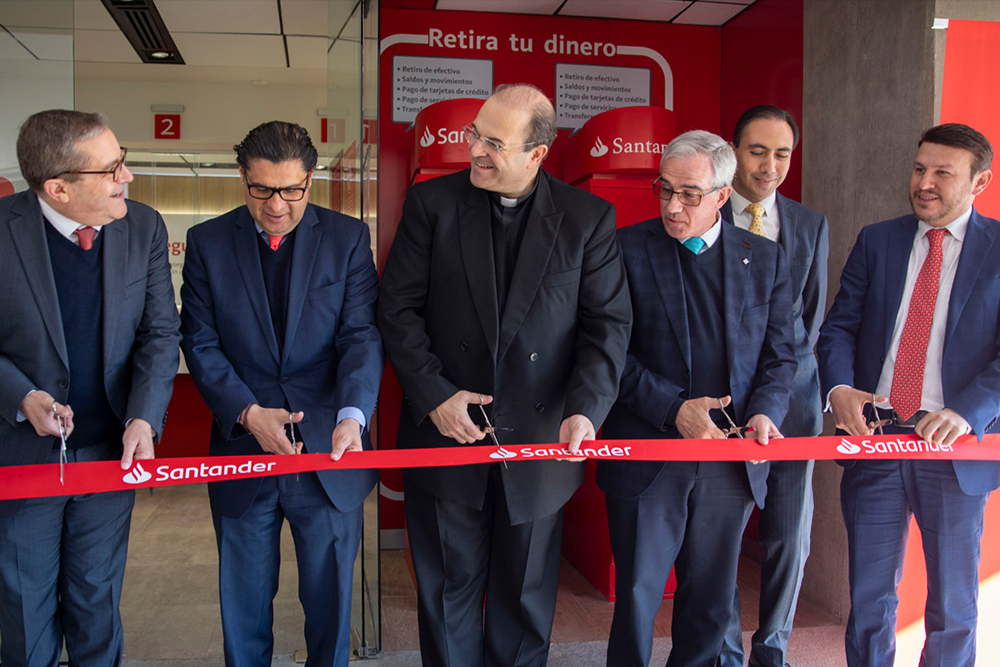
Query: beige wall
(868,93)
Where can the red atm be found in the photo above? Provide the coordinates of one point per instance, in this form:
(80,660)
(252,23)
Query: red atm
(615,155)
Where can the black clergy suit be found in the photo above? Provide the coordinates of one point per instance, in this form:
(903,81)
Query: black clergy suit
(557,349)
(62,559)
(690,514)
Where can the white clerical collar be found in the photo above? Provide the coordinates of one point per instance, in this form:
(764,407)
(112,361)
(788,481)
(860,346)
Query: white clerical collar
(60,222)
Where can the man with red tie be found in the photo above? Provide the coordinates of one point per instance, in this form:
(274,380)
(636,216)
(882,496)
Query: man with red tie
(915,329)
(278,327)
(88,350)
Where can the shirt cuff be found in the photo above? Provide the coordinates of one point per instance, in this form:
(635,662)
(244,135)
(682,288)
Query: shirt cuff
(352,413)
(826,407)
(21,417)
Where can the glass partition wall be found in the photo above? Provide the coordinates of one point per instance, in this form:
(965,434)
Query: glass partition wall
(318,69)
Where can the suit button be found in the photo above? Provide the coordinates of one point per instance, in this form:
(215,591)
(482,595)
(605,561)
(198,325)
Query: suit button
(284,380)
(464,347)
(63,384)
(687,375)
(533,356)
(540,407)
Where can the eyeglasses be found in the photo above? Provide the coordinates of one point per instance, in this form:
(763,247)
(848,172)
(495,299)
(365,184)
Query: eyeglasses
(490,145)
(264,192)
(115,171)
(686,197)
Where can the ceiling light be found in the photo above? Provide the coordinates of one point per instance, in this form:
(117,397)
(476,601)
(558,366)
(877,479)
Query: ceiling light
(160,55)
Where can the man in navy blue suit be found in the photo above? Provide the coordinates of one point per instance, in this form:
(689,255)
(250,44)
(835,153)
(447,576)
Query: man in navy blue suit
(915,329)
(763,140)
(712,330)
(279,325)
(88,335)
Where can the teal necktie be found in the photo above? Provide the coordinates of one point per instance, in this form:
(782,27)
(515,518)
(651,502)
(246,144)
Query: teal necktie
(695,244)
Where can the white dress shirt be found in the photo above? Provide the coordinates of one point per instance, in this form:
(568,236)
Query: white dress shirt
(62,224)
(951,249)
(710,236)
(742,219)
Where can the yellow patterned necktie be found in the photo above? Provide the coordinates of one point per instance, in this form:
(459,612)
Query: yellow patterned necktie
(757,223)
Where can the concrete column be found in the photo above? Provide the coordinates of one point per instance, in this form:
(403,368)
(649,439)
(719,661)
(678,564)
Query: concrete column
(868,93)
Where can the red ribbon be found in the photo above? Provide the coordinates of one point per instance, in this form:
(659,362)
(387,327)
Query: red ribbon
(37,481)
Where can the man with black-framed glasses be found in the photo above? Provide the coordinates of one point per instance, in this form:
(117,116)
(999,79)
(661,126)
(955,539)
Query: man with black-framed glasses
(503,289)
(88,349)
(279,331)
(711,346)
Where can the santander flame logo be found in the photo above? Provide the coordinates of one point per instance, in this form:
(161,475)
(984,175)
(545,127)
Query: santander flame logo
(137,475)
(846,447)
(502,453)
(599,148)
(426,139)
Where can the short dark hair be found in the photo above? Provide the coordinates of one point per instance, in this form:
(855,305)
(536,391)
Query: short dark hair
(47,144)
(958,135)
(542,126)
(277,141)
(765,111)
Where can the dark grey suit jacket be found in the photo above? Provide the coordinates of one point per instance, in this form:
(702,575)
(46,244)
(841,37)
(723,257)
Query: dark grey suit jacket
(662,357)
(804,235)
(557,349)
(140,322)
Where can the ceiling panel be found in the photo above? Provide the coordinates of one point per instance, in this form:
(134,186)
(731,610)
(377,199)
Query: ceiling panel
(308,17)
(344,57)
(710,13)
(47,45)
(91,15)
(639,10)
(308,52)
(37,13)
(231,50)
(104,46)
(11,50)
(502,6)
(220,16)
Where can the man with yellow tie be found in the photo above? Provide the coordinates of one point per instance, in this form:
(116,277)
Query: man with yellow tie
(763,140)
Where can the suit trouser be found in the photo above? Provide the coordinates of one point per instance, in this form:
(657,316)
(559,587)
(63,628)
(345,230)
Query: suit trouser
(326,544)
(877,499)
(783,533)
(691,517)
(462,556)
(62,561)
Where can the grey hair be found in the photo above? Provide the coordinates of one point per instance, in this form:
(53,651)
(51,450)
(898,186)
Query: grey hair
(48,144)
(714,147)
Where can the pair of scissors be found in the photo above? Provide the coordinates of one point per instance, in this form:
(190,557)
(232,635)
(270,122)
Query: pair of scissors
(490,429)
(879,422)
(62,443)
(733,428)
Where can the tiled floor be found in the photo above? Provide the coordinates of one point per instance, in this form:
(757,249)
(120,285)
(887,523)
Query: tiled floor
(171,613)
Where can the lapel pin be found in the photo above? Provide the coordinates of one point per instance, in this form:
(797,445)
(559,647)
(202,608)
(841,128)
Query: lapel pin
(746,261)
(747,245)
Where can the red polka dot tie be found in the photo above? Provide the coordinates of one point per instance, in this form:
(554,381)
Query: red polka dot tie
(274,241)
(908,373)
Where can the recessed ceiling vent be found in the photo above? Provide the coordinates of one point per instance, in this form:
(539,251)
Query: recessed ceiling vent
(142,26)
